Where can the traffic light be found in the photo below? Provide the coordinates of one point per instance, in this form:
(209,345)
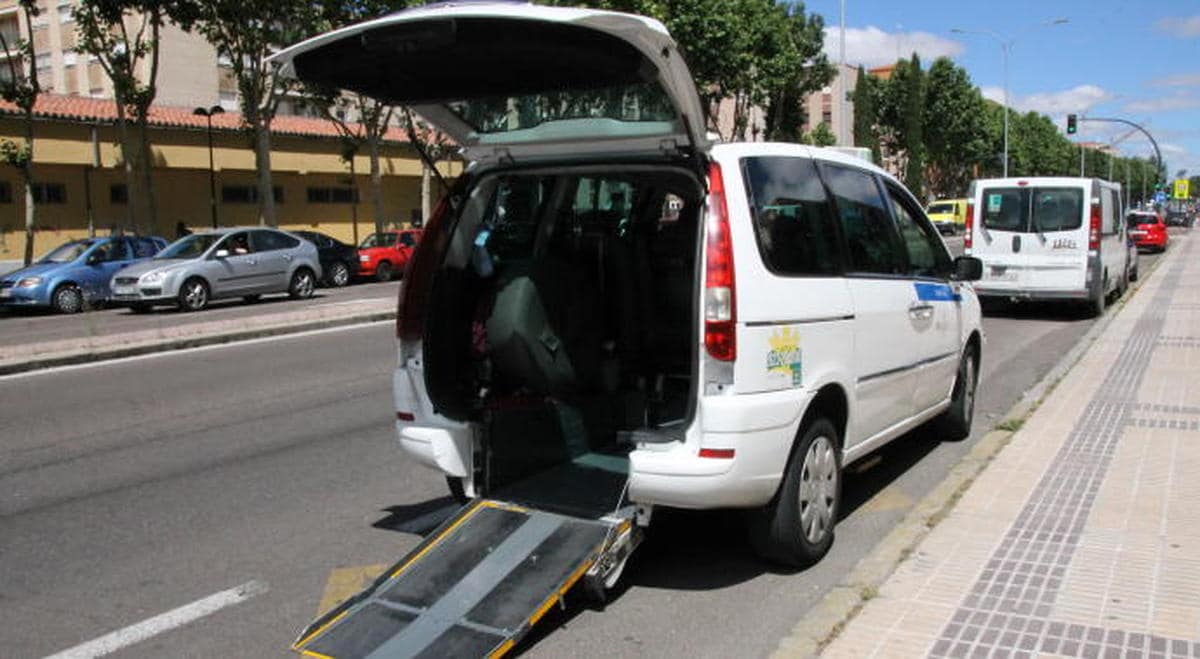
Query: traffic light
(1072,126)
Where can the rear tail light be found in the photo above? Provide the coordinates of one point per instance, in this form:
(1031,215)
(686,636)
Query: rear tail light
(419,271)
(1094,228)
(719,453)
(720,302)
(969,228)
(405,416)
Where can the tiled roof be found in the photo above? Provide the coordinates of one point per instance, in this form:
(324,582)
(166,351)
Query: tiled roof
(79,108)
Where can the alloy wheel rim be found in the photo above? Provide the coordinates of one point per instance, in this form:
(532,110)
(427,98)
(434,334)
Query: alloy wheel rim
(68,300)
(304,285)
(818,489)
(340,274)
(195,295)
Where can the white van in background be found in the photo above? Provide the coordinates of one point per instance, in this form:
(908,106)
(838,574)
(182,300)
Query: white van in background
(1048,238)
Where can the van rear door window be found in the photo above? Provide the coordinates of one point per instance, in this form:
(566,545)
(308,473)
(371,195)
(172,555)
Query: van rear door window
(793,220)
(1029,210)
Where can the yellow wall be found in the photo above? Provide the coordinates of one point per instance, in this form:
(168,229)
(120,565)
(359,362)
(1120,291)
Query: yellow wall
(63,151)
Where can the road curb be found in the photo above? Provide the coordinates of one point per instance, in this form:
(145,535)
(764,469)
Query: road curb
(166,345)
(821,624)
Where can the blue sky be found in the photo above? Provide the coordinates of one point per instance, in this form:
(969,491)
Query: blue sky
(1134,60)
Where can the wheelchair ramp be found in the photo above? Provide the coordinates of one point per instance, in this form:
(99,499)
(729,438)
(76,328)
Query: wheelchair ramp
(473,588)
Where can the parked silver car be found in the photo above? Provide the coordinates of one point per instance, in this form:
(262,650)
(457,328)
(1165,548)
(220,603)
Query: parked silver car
(222,263)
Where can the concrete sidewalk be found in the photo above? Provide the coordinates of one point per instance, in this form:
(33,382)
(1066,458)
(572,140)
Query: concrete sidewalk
(46,354)
(1082,537)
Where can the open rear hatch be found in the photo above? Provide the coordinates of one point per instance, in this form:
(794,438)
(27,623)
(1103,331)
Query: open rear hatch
(473,588)
(510,81)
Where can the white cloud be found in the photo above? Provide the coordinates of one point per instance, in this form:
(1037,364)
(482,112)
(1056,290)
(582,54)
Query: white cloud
(873,47)
(1178,80)
(1172,149)
(1163,104)
(1184,26)
(1075,100)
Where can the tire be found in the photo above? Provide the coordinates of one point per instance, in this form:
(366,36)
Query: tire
(796,528)
(251,299)
(955,423)
(302,284)
(1133,276)
(1095,306)
(140,307)
(338,275)
(193,295)
(67,299)
(457,491)
(383,271)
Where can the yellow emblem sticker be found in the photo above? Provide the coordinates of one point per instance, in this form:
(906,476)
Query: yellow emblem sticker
(784,355)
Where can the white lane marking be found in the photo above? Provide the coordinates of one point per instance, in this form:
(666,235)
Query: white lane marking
(163,622)
(184,351)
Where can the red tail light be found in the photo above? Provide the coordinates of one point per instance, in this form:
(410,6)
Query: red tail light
(1094,228)
(720,303)
(418,275)
(719,453)
(969,227)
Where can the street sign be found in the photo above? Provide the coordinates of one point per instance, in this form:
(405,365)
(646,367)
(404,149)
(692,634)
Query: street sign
(1160,197)
(1181,188)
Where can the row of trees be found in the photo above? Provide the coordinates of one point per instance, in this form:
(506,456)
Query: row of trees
(942,134)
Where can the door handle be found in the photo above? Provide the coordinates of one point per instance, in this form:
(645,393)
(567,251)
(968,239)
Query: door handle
(921,310)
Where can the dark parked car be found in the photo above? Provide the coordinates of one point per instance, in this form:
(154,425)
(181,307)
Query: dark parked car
(338,260)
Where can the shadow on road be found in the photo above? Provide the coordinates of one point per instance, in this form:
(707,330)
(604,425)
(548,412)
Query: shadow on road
(418,518)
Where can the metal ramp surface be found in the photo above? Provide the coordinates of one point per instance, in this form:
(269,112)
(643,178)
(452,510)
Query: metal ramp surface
(473,588)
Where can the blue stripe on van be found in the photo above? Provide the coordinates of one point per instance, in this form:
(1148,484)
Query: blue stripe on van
(928,292)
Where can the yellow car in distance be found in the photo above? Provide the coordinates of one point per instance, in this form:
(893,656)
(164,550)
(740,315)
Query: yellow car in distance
(948,215)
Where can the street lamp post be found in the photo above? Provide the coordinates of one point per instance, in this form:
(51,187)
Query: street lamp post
(1005,50)
(208,114)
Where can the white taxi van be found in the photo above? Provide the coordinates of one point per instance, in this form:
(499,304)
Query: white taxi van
(1049,239)
(608,309)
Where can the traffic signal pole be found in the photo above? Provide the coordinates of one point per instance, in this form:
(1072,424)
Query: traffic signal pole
(1071,119)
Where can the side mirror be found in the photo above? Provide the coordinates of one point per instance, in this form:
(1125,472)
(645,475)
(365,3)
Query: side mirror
(967,268)
(93,258)
(221,253)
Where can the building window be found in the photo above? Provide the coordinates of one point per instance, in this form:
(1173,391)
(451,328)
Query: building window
(49,193)
(118,193)
(5,192)
(66,13)
(246,194)
(69,58)
(43,61)
(338,195)
(228,100)
(96,92)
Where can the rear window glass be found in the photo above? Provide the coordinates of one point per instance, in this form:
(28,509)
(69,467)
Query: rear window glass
(626,103)
(1135,219)
(1029,210)
(792,217)
(940,209)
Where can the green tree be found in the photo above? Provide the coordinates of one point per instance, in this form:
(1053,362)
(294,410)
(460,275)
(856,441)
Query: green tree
(821,136)
(124,38)
(954,132)
(245,32)
(866,113)
(21,88)
(913,119)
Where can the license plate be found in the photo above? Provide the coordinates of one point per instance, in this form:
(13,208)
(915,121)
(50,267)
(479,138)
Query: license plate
(124,290)
(1003,274)
(1137,234)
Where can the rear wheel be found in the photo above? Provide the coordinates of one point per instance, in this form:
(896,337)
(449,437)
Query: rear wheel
(383,271)
(1095,306)
(955,423)
(338,275)
(796,528)
(193,295)
(67,298)
(303,283)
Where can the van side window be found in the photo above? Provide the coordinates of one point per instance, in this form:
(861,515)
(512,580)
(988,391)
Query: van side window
(1108,222)
(926,255)
(872,242)
(793,221)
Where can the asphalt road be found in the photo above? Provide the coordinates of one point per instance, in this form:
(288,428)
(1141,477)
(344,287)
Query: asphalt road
(131,488)
(21,326)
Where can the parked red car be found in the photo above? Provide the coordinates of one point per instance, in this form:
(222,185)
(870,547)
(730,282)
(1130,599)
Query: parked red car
(383,255)
(1148,230)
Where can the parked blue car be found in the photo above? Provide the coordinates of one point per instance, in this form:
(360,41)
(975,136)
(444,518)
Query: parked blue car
(76,274)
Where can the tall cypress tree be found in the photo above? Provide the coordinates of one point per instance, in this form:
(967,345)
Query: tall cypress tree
(913,119)
(866,114)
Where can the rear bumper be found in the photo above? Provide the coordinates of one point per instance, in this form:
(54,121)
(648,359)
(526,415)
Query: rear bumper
(760,428)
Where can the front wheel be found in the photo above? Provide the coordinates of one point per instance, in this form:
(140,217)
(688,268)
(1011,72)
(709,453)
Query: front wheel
(383,271)
(955,423)
(193,295)
(67,299)
(796,528)
(303,283)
